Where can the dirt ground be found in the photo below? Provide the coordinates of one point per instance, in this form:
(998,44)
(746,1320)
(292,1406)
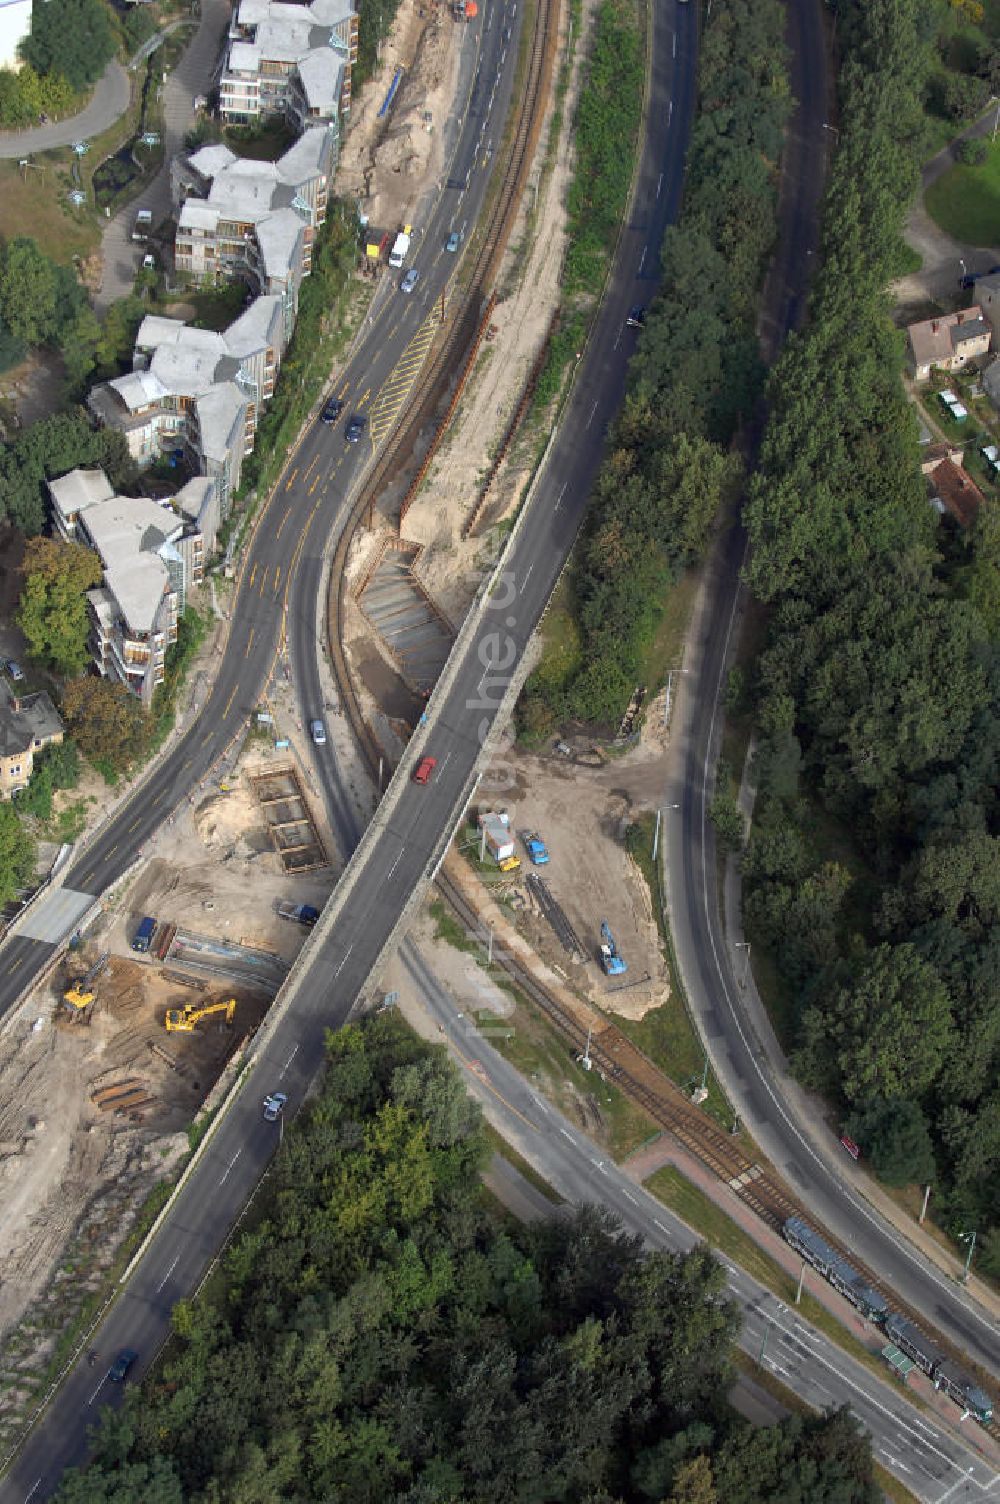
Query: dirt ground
(580,807)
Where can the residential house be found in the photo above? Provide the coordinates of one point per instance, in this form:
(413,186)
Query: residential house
(27,724)
(988,299)
(950,487)
(253,221)
(948,343)
(151,553)
(288,60)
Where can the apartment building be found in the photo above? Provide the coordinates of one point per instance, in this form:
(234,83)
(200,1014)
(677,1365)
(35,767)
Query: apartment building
(289,60)
(151,552)
(27,724)
(253,221)
(196,395)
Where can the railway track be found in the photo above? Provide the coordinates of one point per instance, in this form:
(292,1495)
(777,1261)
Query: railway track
(613,1052)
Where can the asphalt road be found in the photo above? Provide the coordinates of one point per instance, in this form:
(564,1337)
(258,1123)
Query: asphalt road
(108,101)
(793,1144)
(925,1455)
(414,835)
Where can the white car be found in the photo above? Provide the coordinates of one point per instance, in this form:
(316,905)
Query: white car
(318,733)
(273,1106)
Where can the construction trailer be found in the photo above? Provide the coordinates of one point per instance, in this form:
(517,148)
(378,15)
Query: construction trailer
(497,838)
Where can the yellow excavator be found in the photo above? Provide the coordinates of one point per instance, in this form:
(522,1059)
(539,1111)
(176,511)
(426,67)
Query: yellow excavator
(183,1020)
(80,994)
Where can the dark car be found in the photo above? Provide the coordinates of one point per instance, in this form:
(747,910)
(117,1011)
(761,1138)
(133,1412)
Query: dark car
(355,429)
(332,411)
(118,1372)
(636,316)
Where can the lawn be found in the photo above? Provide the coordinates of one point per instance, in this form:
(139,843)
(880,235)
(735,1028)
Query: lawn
(723,1234)
(35,203)
(965,201)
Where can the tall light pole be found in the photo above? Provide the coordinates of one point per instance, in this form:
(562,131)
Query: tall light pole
(970,1238)
(668,702)
(656,831)
(744,945)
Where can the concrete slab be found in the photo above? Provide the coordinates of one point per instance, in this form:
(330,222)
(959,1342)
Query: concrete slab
(56,915)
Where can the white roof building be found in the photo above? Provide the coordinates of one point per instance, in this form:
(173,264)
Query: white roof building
(291,60)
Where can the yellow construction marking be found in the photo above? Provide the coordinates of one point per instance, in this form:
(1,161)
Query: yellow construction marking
(277,576)
(253,576)
(263,579)
(249,644)
(228,703)
(281,524)
(15,964)
(344,389)
(135,823)
(112,849)
(387,405)
(315,484)
(291,478)
(476,1069)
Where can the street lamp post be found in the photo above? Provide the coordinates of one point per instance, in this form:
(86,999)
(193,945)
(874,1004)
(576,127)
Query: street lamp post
(970,1238)
(656,831)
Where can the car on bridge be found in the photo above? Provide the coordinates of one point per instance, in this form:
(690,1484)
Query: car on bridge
(410,281)
(354,429)
(273,1106)
(332,410)
(318,733)
(424,771)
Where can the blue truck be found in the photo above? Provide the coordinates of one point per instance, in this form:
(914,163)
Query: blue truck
(535,847)
(143,937)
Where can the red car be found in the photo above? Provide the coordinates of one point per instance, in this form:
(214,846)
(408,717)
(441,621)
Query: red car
(425,769)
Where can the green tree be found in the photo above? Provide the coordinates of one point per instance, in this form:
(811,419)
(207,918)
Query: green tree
(727,820)
(694,1483)
(72,38)
(28,291)
(56,766)
(52,612)
(107,722)
(49,448)
(17,853)
(888,1030)
(894,1135)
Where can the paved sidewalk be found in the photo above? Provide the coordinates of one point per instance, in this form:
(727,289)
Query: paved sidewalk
(192,77)
(108,101)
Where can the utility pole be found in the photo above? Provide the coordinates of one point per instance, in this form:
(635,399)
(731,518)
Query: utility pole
(802,1275)
(656,835)
(927,1197)
(970,1238)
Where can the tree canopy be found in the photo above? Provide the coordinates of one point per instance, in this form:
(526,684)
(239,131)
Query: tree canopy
(382,1335)
(107,722)
(49,448)
(73,39)
(52,612)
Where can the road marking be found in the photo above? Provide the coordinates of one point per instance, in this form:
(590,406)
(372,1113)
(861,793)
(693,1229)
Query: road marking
(628,1195)
(532,564)
(642,260)
(659,184)
(96,1392)
(263,579)
(559,498)
(277,577)
(169,1272)
(249,644)
(344,961)
(135,822)
(229,702)
(15,964)
(395,863)
(593,410)
(675,44)
(566,1134)
(253,575)
(34,1490)
(660,1225)
(670,112)
(288,1062)
(288,485)
(111,850)
(230,1166)
(281,524)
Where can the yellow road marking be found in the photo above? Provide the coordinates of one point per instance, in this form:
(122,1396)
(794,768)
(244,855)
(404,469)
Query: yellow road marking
(253,576)
(229,702)
(281,524)
(263,579)
(291,478)
(249,644)
(277,576)
(135,823)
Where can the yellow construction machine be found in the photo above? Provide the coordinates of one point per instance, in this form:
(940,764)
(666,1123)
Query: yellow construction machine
(80,993)
(183,1020)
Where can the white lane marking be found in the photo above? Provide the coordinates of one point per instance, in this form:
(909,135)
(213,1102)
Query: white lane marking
(34,1489)
(97,1391)
(444,763)
(670,112)
(592,412)
(642,260)
(559,498)
(675,44)
(230,1166)
(618,338)
(343,962)
(629,1197)
(169,1272)
(395,863)
(657,1223)
(542,1105)
(566,1134)
(659,185)
(532,564)
(295,1051)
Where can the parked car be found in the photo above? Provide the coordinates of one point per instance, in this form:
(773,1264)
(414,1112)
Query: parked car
(410,281)
(332,411)
(425,770)
(15,670)
(453,242)
(118,1372)
(273,1105)
(318,733)
(636,316)
(355,429)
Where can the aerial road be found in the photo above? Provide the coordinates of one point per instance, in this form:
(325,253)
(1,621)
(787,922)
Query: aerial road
(925,1455)
(803,1151)
(414,831)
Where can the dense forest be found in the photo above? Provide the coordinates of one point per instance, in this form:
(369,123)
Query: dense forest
(383,1333)
(695,376)
(873,868)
